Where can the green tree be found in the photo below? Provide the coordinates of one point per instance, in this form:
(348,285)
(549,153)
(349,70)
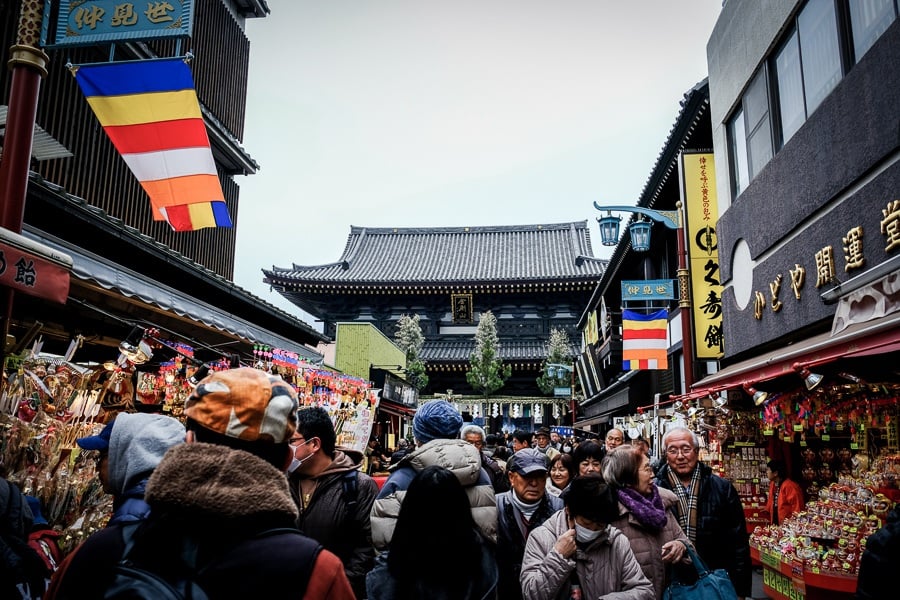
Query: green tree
(487,373)
(559,353)
(410,340)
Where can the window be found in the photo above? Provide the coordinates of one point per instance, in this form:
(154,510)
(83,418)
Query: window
(759,133)
(819,51)
(737,133)
(868,20)
(790,88)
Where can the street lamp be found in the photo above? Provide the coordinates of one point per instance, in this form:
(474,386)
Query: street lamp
(640,242)
(558,371)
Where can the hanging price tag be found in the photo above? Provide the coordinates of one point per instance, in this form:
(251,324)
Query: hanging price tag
(768,432)
(854,446)
(798,427)
(826,437)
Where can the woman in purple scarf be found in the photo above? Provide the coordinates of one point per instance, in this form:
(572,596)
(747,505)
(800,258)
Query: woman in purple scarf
(655,535)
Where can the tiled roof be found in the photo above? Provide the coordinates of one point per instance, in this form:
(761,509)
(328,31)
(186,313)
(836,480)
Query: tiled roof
(459,350)
(435,255)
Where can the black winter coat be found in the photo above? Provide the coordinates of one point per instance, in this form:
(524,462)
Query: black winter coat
(511,542)
(19,564)
(878,565)
(722,539)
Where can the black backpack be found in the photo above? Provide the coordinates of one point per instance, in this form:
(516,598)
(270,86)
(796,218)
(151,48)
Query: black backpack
(141,581)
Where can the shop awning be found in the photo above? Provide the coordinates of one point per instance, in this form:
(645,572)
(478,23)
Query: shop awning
(860,339)
(393,408)
(108,275)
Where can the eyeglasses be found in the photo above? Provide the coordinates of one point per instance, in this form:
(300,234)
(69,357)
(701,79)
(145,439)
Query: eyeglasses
(683,450)
(297,439)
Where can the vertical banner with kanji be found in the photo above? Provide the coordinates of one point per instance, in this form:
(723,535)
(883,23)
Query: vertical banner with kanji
(698,178)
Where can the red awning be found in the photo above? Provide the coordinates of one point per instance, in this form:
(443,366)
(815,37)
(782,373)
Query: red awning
(877,336)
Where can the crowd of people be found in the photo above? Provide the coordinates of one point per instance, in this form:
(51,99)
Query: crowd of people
(250,497)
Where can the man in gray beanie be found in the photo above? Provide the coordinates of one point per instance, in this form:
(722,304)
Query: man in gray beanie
(436,429)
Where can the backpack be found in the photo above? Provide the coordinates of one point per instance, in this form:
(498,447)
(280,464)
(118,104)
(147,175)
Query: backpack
(350,487)
(140,581)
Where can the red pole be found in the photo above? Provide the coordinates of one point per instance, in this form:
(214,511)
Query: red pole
(684,302)
(28,64)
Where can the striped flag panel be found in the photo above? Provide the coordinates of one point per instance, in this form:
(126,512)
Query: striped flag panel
(644,340)
(150,111)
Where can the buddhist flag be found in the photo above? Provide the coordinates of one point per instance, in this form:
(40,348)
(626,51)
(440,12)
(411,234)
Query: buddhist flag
(149,110)
(645,341)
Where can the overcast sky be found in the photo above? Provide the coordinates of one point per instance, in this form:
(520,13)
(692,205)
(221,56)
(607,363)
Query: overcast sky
(427,113)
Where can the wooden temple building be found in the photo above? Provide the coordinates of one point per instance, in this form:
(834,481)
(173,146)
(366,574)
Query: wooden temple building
(531,277)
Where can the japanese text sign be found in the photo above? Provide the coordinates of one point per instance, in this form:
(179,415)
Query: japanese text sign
(702,212)
(85,22)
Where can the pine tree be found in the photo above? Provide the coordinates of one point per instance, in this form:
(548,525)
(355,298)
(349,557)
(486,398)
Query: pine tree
(559,353)
(410,340)
(487,373)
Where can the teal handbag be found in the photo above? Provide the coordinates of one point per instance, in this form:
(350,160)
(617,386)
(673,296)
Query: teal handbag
(710,585)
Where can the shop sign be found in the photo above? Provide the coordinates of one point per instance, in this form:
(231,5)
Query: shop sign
(86,22)
(783,585)
(33,269)
(649,289)
(825,262)
(701,213)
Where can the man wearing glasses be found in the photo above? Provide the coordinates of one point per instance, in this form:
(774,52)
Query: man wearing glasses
(708,508)
(334,497)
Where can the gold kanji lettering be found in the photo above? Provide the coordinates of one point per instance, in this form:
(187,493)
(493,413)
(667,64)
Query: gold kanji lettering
(124,15)
(774,289)
(798,277)
(89,16)
(853,249)
(890,225)
(759,305)
(824,266)
(158,12)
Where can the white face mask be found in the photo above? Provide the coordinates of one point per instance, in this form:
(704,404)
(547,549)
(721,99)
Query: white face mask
(585,535)
(297,462)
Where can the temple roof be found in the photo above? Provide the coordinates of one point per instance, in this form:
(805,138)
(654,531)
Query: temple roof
(510,350)
(434,255)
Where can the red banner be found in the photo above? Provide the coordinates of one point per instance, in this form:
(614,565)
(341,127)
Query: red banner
(33,275)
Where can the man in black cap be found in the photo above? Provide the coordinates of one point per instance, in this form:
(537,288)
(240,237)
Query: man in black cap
(519,511)
(542,437)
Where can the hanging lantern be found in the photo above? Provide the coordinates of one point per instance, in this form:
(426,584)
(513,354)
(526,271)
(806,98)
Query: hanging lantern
(516,410)
(609,229)
(495,410)
(538,412)
(476,411)
(640,236)
(556,411)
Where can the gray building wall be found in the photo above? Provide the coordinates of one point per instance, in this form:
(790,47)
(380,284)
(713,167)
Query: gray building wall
(838,171)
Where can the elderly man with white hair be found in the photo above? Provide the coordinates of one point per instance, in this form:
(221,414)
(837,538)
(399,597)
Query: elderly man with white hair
(475,436)
(709,509)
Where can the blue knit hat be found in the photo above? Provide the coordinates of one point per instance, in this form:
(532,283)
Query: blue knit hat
(436,420)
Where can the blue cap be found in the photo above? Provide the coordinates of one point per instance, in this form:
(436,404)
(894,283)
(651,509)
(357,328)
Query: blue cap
(527,461)
(35,505)
(97,442)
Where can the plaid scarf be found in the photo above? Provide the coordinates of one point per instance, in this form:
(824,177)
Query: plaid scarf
(687,502)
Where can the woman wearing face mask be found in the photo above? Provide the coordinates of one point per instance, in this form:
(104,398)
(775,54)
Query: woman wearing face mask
(576,554)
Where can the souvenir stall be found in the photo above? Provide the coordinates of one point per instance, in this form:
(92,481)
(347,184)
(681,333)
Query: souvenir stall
(48,402)
(838,437)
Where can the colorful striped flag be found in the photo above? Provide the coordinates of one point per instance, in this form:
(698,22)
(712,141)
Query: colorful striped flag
(149,110)
(645,341)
